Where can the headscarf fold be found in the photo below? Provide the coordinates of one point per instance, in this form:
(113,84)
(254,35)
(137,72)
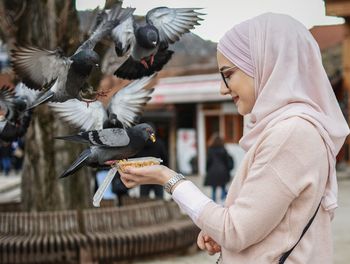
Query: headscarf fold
(285,62)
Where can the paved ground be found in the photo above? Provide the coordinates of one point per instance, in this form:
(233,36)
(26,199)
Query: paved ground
(10,187)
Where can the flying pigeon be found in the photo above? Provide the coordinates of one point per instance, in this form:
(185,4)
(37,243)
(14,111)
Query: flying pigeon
(123,110)
(147,41)
(110,144)
(61,77)
(15,120)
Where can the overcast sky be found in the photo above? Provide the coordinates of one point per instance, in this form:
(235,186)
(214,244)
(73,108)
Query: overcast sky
(221,15)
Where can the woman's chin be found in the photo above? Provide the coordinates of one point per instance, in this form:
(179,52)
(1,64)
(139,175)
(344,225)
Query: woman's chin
(240,110)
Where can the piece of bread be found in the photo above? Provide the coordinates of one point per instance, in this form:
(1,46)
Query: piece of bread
(137,162)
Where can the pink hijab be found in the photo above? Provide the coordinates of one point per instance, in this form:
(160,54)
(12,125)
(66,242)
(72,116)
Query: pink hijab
(285,62)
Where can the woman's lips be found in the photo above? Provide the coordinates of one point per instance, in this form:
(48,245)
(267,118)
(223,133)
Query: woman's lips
(235,99)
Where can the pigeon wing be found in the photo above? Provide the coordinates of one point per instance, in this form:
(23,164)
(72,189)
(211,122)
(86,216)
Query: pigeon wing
(109,137)
(29,95)
(123,36)
(110,20)
(172,23)
(99,16)
(127,104)
(39,68)
(80,115)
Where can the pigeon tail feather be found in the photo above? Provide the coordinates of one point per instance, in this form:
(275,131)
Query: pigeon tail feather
(74,138)
(78,164)
(133,70)
(42,99)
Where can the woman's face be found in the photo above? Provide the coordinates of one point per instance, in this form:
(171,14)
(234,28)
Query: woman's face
(240,85)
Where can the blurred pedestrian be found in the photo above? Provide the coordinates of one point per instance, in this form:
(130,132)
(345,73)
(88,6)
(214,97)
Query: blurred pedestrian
(119,188)
(6,156)
(218,166)
(18,154)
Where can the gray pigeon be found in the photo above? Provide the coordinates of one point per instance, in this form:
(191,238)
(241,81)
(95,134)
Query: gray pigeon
(123,110)
(117,147)
(15,119)
(61,77)
(147,40)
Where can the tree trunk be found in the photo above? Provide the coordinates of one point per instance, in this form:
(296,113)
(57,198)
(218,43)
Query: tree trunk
(47,24)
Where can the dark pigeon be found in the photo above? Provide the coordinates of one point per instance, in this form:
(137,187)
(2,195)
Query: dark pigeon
(62,78)
(10,132)
(115,149)
(147,41)
(123,110)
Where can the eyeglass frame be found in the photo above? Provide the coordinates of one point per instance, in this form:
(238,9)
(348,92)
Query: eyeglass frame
(222,73)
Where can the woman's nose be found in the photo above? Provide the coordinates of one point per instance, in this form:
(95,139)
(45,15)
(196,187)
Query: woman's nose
(223,89)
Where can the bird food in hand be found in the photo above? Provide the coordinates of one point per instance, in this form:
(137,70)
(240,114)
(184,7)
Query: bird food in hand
(137,162)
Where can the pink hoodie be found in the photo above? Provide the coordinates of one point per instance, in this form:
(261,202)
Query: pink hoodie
(285,61)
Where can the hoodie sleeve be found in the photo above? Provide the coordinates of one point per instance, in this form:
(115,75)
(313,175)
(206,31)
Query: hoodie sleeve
(190,199)
(281,170)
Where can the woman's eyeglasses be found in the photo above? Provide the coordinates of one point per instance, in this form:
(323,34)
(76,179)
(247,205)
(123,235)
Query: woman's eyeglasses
(226,73)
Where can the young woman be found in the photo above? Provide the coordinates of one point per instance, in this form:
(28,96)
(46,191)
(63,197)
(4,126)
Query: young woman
(272,68)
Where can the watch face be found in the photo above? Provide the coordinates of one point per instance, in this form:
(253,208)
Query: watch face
(169,185)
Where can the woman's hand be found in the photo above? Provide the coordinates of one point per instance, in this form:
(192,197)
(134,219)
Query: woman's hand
(205,242)
(155,174)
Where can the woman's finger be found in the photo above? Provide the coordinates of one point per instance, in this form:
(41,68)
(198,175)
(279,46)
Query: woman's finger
(129,184)
(206,238)
(209,248)
(200,241)
(216,247)
(127,177)
(142,171)
(127,180)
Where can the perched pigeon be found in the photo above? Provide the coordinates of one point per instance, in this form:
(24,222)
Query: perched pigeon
(123,110)
(61,77)
(111,144)
(15,120)
(147,41)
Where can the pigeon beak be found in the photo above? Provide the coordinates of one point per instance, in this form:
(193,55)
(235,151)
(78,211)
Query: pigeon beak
(153,137)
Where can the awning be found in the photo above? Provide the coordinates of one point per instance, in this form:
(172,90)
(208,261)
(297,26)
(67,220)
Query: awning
(188,89)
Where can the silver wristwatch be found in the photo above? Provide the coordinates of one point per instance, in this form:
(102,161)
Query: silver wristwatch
(173,180)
